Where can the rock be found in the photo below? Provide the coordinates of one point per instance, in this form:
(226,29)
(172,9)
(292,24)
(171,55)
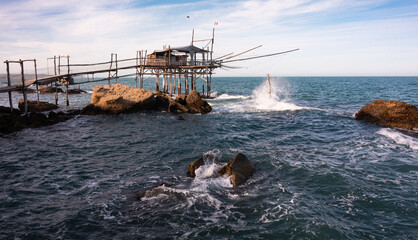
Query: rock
(7,110)
(240,168)
(34,106)
(155,191)
(206,158)
(181,118)
(27,90)
(76,91)
(195,102)
(191,168)
(177,107)
(390,113)
(119,98)
(48,89)
(12,122)
(181,98)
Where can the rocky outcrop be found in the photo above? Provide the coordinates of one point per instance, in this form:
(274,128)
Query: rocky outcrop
(119,98)
(191,168)
(76,91)
(195,102)
(12,122)
(239,168)
(155,191)
(34,106)
(48,89)
(390,113)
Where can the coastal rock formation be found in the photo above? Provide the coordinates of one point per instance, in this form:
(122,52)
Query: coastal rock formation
(239,168)
(390,113)
(155,191)
(12,122)
(34,106)
(195,102)
(206,158)
(48,89)
(119,98)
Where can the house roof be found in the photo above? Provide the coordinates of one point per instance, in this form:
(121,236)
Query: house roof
(185,49)
(190,48)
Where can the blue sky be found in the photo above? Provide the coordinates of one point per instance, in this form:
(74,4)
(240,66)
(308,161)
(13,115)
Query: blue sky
(335,37)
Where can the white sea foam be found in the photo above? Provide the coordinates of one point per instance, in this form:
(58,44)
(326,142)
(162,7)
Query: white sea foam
(259,101)
(226,96)
(399,138)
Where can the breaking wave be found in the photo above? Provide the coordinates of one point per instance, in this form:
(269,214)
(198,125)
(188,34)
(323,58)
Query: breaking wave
(399,138)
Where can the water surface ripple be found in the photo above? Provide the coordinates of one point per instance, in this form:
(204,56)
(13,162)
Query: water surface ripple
(320,173)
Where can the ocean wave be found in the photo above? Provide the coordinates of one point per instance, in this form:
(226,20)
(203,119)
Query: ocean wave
(262,99)
(399,138)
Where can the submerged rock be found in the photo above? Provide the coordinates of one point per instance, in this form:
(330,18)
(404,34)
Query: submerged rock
(48,89)
(34,106)
(390,113)
(155,191)
(76,91)
(27,90)
(239,168)
(206,158)
(119,98)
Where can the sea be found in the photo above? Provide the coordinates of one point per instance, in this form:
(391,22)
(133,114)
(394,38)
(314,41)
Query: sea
(320,174)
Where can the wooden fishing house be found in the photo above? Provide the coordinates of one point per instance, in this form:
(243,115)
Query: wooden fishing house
(179,67)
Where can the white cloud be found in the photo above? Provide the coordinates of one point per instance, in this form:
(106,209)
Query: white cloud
(336,37)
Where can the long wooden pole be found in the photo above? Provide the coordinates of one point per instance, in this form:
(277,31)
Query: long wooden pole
(8,84)
(23,86)
(36,78)
(171,83)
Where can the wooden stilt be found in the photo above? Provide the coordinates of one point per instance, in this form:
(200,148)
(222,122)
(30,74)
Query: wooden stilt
(192,81)
(164,90)
(36,78)
(157,83)
(23,86)
(179,84)
(186,84)
(171,84)
(141,78)
(8,84)
(56,93)
(66,94)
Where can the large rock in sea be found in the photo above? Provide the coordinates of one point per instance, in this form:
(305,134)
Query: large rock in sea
(195,102)
(119,98)
(239,168)
(390,113)
(34,106)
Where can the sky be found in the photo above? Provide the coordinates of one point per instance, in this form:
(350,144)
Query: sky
(335,37)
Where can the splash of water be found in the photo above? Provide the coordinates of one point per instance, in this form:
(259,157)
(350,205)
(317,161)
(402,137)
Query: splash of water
(276,100)
(399,138)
